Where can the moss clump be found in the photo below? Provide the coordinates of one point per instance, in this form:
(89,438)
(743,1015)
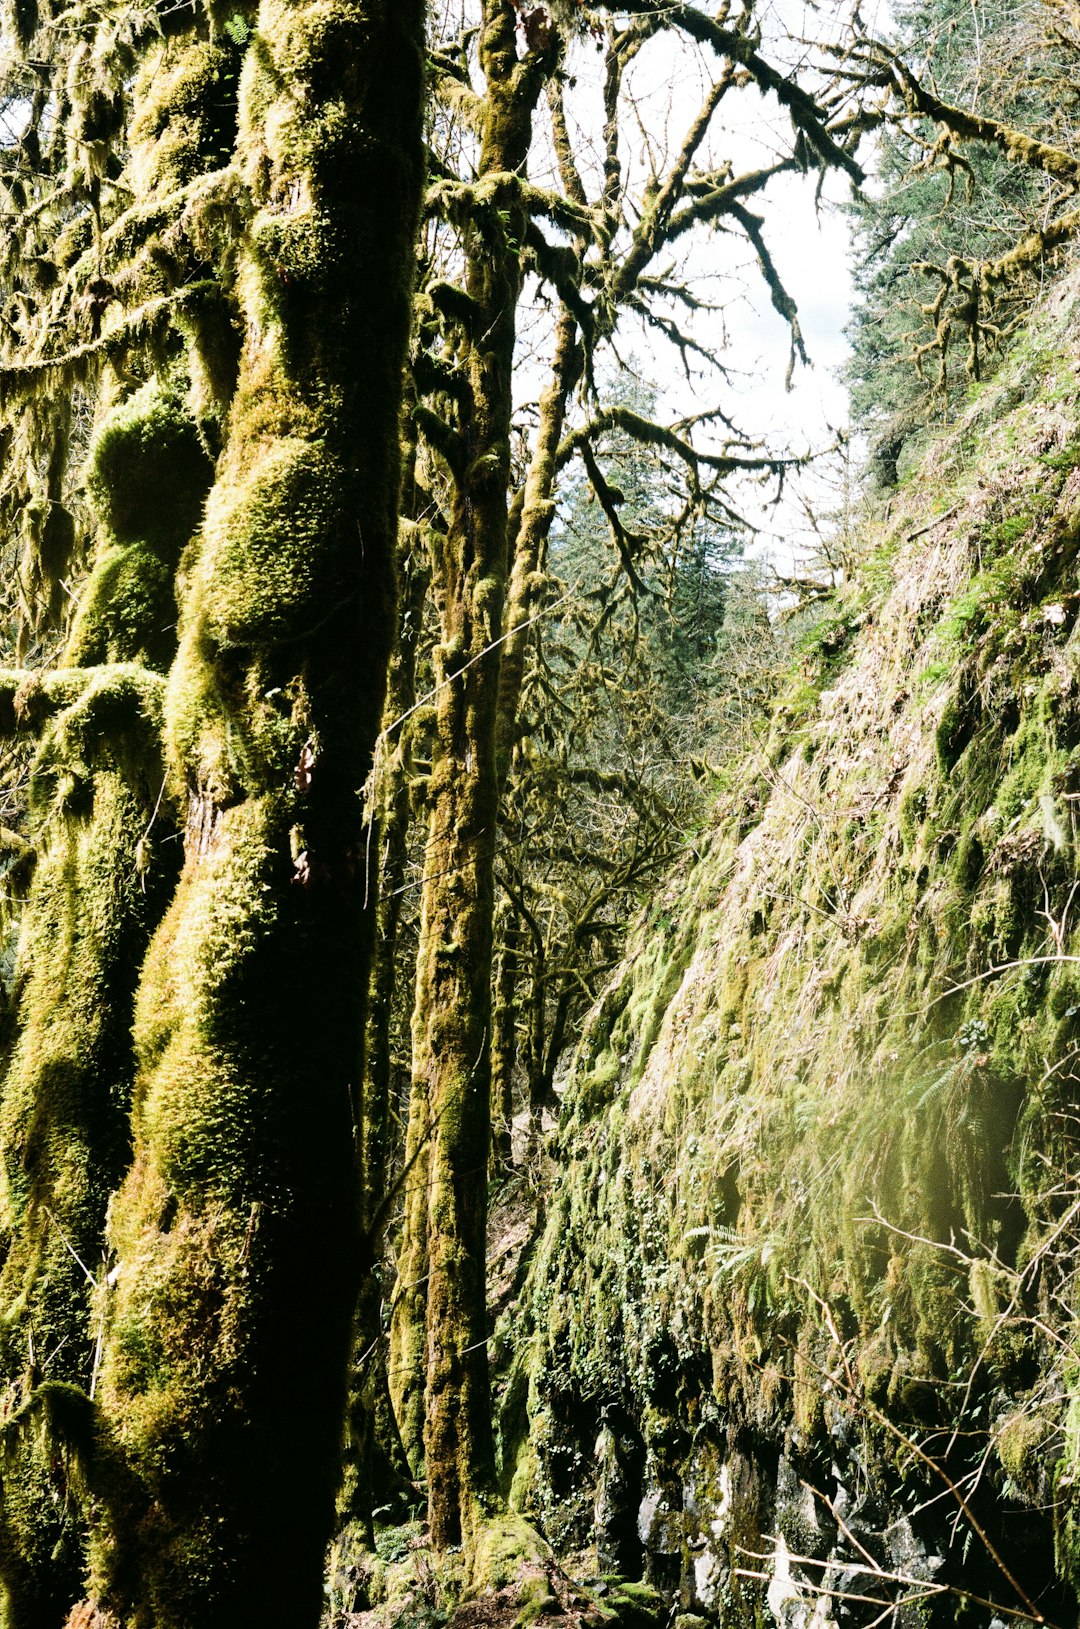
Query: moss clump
(147,475)
(147,472)
(633,1605)
(278,558)
(185,121)
(1022,1443)
(128,611)
(503,1546)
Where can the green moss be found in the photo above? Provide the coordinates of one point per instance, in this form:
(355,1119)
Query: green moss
(853,1064)
(634,1605)
(237,1221)
(185,121)
(278,553)
(147,472)
(127,612)
(147,475)
(102,872)
(504,1546)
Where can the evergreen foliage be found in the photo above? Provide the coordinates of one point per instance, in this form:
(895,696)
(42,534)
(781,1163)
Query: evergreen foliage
(934,210)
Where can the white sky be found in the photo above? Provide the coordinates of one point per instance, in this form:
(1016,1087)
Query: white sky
(809,246)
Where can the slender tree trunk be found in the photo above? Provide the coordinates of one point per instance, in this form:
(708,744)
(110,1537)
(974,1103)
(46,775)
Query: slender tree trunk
(450,1110)
(536,1036)
(393,796)
(236,1232)
(405,1346)
(407,1363)
(530,541)
(382,1468)
(504,1040)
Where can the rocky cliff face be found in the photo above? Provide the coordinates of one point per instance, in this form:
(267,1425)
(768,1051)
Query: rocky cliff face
(801,1333)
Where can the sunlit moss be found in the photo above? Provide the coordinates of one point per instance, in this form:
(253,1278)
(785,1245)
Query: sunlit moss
(837,1058)
(236,1224)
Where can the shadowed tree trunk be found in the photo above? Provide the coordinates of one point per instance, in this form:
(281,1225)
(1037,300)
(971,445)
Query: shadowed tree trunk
(378,1472)
(236,1232)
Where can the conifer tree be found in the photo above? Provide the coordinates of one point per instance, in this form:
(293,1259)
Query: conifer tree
(953,199)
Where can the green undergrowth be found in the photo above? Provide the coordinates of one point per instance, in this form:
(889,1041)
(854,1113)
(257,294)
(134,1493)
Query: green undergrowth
(822,1122)
(510,1580)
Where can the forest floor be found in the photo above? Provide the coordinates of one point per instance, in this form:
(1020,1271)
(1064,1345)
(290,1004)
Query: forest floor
(540,1593)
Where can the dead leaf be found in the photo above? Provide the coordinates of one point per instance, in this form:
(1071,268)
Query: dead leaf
(305,767)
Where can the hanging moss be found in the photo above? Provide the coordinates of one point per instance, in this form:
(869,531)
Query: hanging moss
(185,118)
(102,873)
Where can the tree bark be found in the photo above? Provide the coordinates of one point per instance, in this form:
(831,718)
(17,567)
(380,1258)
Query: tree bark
(504,1049)
(236,1233)
(382,1468)
(450,1109)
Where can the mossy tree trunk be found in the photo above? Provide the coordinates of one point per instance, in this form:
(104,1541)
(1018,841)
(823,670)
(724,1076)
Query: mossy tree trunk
(236,1232)
(532,527)
(406,1364)
(504,1048)
(92,904)
(446,1215)
(395,782)
(378,1469)
(104,868)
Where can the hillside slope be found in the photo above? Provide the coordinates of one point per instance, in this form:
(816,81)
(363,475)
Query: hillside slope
(807,1286)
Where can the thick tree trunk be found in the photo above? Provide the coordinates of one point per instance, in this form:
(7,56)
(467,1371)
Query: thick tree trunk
(236,1233)
(103,871)
(63,1125)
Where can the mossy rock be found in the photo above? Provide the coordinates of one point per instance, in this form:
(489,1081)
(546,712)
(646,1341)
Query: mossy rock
(1023,1444)
(633,1605)
(502,1546)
